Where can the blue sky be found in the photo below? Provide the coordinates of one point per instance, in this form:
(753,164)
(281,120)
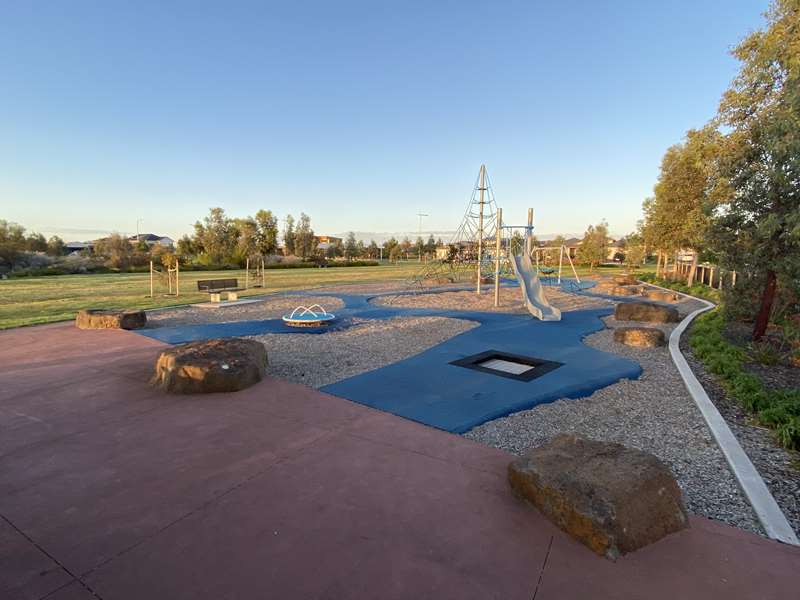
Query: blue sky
(361,114)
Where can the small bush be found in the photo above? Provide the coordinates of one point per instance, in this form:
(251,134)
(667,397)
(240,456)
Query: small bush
(779,410)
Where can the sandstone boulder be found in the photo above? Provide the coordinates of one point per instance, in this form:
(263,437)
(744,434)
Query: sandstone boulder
(110,319)
(646,312)
(611,498)
(226,365)
(639,337)
(626,290)
(625,280)
(661,295)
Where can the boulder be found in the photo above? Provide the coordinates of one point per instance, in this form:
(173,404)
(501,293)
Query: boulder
(110,319)
(661,295)
(625,280)
(609,497)
(626,290)
(226,365)
(646,312)
(639,337)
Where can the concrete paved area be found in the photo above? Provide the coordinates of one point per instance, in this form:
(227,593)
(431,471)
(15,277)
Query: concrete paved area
(109,489)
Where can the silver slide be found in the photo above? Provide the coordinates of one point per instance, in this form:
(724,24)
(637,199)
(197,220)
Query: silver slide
(532,291)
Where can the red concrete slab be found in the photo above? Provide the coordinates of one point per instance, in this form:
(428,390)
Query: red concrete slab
(346,518)
(282,491)
(90,495)
(709,560)
(26,573)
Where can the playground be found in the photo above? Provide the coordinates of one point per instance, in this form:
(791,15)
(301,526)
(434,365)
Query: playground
(385,420)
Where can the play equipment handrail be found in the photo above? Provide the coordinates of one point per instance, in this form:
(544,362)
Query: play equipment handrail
(309,310)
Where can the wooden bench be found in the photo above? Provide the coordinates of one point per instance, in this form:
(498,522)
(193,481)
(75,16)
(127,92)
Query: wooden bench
(216,287)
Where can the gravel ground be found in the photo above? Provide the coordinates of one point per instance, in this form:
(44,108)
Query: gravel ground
(779,468)
(269,308)
(654,413)
(318,360)
(510,301)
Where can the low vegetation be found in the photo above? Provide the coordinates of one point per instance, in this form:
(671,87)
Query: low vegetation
(696,289)
(777,409)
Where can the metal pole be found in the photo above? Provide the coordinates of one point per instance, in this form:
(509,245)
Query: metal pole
(151,278)
(246,273)
(498,230)
(177,277)
(481,189)
(263,275)
(529,234)
(560,261)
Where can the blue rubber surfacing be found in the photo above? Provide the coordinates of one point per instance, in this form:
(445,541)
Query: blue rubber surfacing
(427,389)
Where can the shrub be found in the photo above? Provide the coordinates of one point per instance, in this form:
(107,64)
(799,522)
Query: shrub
(779,410)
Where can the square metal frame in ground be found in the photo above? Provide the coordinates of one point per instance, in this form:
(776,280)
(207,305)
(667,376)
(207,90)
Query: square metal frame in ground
(541,366)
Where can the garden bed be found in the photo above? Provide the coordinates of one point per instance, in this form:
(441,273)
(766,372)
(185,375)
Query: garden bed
(779,467)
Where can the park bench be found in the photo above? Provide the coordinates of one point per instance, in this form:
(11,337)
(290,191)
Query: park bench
(216,287)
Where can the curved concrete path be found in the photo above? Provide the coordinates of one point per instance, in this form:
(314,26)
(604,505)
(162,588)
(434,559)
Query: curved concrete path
(110,489)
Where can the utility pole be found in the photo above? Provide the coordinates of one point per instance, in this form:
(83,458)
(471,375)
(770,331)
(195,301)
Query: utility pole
(481,189)
(419,234)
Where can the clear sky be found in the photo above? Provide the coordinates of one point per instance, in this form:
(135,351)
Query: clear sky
(361,114)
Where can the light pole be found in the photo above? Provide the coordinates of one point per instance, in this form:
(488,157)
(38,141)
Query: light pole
(137,229)
(419,234)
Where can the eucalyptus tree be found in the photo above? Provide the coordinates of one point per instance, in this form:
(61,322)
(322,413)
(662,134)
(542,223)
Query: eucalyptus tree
(757,230)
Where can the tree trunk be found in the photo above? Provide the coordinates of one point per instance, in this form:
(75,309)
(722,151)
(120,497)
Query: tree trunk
(692,270)
(658,263)
(767,297)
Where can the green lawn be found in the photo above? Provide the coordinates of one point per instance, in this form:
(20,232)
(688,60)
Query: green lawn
(27,301)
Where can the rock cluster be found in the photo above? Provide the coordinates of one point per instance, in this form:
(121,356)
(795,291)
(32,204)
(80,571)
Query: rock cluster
(612,498)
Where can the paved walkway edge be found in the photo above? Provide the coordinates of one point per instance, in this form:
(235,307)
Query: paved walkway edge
(767,510)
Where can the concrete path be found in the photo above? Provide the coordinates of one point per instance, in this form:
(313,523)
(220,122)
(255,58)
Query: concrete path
(109,489)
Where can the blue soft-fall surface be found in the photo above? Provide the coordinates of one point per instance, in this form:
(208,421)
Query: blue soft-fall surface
(427,389)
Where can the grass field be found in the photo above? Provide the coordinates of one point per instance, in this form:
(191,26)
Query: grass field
(28,301)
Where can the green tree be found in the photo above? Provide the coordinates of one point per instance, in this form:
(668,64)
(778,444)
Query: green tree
(388,246)
(594,246)
(351,246)
(116,249)
(289,236)
(12,243)
(757,230)
(395,253)
(36,242)
(419,245)
(56,246)
(247,242)
(634,251)
(304,243)
(216,237)
(267,232)
(430,246)
(373,251)
(688,187)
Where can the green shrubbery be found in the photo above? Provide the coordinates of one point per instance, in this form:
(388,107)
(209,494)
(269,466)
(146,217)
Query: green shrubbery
(779,410)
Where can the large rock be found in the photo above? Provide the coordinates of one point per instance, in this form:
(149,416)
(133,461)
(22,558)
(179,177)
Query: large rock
(639,337)
(661,295)
(625,280)
(626,290)
(611,498)
(226,365)
(646,312)
(110,319)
